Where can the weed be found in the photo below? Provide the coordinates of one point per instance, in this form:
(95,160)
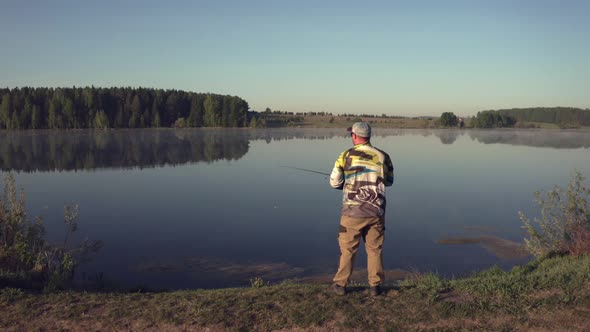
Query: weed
(11,294)
(258,282)
(26,257)
(564,225)
(428,284)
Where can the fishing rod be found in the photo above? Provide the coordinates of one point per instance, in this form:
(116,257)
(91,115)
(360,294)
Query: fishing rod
(307,170)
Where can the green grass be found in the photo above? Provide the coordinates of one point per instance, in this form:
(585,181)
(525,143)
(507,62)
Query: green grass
(337,121)
(545,294)
(565,274)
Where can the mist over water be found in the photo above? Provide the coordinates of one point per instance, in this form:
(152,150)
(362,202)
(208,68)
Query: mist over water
(214,208)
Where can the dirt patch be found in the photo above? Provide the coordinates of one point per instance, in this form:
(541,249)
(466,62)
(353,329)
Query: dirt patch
(545,294)
(310,329)
(457,297)
(574,319)
(122,325)
(449,324)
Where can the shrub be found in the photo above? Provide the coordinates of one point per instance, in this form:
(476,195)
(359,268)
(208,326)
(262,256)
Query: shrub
(180,123)
(564,225)
(565,125)
(26,257)
(258,282)
(101,120)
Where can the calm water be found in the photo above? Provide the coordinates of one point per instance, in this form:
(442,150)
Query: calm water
(214,208)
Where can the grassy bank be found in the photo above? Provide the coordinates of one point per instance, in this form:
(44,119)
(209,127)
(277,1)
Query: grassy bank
(548,294)
(343,121)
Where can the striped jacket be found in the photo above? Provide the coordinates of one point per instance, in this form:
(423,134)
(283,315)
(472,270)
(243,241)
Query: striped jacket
(362,172)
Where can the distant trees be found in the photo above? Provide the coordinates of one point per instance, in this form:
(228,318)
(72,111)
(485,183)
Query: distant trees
(5,110)
(563,116)
(448,119)
(90,107)
(492,119)
(211,107)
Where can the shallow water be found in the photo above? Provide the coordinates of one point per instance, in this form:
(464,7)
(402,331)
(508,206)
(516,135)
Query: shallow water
(214,208)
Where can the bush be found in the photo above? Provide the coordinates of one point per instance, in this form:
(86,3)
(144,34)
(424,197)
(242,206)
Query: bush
(565,125)
(180,123)
(564,226)
(27,259)
(258,282)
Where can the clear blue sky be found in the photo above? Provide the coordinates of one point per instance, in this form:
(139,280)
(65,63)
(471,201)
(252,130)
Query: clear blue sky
(400,58)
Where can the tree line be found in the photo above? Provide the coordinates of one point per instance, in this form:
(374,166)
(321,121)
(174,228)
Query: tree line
(492,119)
(565,117)
(90,107)
(557,115)
(562,116)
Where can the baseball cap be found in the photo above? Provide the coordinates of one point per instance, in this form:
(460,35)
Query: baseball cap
(361,129)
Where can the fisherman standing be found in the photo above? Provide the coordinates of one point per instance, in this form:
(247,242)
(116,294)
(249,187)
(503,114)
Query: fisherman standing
(362,173)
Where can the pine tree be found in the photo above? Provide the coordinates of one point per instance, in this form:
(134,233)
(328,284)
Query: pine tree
(5,111)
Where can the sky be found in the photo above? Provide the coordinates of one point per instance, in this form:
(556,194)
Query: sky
(395,57)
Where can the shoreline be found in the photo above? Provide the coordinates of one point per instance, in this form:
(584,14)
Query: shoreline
(303,126)
(529,296)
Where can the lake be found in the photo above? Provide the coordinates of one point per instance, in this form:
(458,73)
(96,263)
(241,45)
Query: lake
(202,208)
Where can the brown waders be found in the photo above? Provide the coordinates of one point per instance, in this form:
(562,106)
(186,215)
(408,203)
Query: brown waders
(372,231)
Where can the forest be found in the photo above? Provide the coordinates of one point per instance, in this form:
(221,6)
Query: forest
(492,119)
(90,107)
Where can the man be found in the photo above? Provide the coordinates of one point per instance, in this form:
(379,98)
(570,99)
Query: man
(362,173)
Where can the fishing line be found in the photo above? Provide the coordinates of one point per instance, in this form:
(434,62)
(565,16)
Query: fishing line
(306,170)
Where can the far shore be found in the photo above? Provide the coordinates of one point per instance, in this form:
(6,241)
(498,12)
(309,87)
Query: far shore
(274,121)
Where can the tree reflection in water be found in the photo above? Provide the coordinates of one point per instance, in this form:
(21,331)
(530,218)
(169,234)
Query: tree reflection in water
(89,150)
(46,150)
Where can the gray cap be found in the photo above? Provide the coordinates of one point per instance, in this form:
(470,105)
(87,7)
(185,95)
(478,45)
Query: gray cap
(361,129)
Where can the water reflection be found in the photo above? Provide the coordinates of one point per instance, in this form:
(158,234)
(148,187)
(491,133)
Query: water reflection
(226,271)
(88,150)
(502,248)
(537,138)
(30,151)
(448,136)
(212,223)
